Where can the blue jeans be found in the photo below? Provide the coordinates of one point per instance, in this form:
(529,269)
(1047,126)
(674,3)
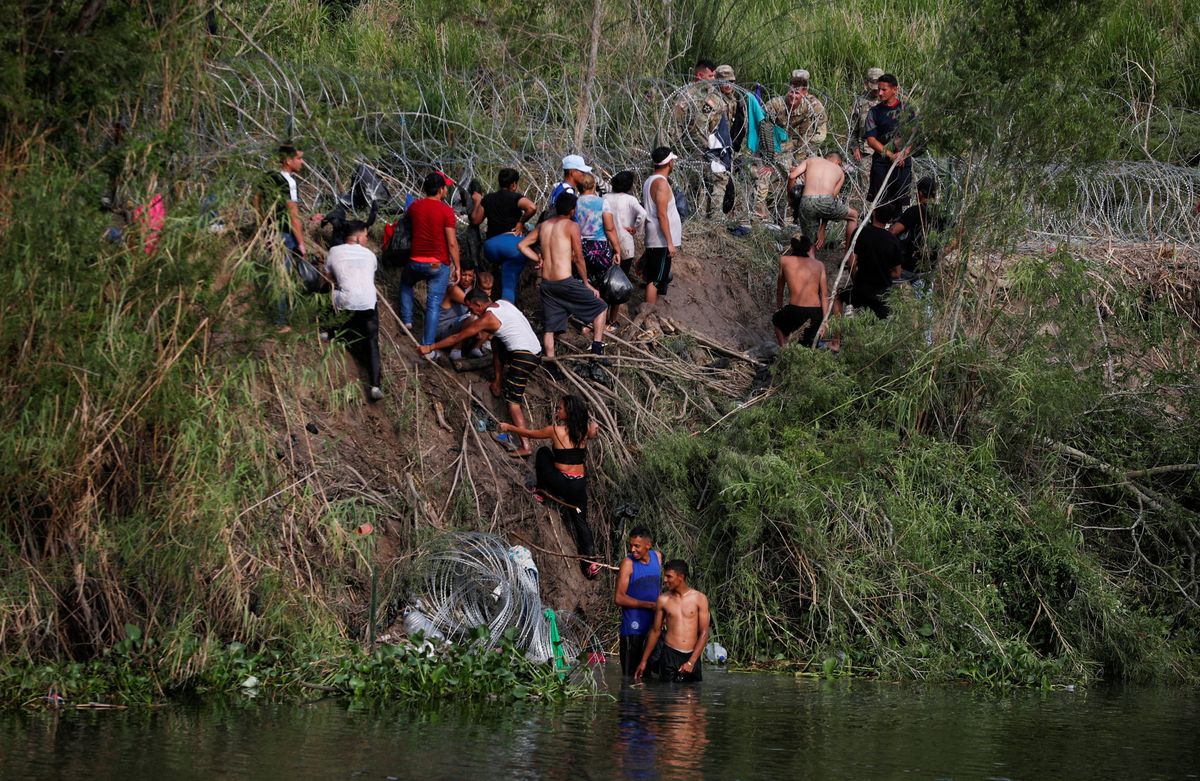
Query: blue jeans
(502,251)
(282,306)
(437,279)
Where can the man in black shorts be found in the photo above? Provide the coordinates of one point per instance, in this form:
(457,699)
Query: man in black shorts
(681,618)
(517,342)
(664,228)
(562,294)
(874,264)
(804,277)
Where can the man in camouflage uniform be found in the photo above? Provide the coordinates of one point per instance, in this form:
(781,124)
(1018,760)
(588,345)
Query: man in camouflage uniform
(857,141)
(803,118)
(698,114)
(698,109)
(716,182)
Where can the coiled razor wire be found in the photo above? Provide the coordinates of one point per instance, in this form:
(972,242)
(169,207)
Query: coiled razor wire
(407,125)
(467,580)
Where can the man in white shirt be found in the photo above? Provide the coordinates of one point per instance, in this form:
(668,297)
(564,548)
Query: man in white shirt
(279,193)
(353,267)
(518,343)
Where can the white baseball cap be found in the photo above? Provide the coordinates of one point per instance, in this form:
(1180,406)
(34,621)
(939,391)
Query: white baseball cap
(575,163)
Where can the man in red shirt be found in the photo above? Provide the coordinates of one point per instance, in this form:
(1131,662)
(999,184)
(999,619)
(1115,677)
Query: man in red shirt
(434,255)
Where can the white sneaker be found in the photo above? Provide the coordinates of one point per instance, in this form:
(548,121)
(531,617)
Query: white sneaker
(456,354)
(433,355)
(375,393)
(475,352)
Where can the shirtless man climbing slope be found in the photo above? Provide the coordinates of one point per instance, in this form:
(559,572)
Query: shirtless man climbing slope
(805,279)
(562,294)
(823,180)
(684,612)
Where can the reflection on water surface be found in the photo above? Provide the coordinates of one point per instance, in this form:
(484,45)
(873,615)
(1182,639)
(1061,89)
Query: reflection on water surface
(729,727)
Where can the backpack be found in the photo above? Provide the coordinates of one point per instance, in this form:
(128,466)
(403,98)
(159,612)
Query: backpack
(397,242)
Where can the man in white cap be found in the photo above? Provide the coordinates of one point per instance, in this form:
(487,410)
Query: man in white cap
(803,118)
(573,168)
(863,103)
(800,73)
(664,229)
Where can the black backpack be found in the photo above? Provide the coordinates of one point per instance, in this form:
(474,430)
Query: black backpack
(397,242)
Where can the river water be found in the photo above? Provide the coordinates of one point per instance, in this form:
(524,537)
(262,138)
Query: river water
(732,726)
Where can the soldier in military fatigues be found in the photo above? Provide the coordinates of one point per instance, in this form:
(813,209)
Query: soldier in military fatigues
(717,181)
(804,119)
(857,141)
(697,114)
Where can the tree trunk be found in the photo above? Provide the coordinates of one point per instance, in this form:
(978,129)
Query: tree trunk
(584,110)
(88,16)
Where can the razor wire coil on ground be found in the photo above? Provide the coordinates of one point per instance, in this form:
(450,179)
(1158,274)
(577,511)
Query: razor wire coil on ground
(466,580)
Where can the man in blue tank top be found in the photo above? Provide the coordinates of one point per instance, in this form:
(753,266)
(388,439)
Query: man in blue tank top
(637,595)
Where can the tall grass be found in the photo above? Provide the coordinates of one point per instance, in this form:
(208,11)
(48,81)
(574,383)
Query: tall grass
(146,476)
(900,504)
(134,475)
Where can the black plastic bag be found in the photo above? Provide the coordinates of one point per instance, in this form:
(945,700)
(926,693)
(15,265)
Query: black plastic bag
(682,204)
(727,199)
(367,188)
(615,288)
(309,276)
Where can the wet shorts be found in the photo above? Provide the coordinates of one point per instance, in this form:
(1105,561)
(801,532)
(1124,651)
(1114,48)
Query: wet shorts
(632,647)
(669,662)
(814,208)
(517,367)
(565,297)
(791,318)
(656,268)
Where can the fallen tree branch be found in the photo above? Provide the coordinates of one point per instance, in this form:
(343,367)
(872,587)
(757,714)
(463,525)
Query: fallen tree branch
(540,549)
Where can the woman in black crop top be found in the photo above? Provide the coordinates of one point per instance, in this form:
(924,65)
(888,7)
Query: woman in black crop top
(560,468)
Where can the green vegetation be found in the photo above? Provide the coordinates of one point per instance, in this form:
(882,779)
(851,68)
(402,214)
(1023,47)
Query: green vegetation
(961,509)
(987,508)
(135,671)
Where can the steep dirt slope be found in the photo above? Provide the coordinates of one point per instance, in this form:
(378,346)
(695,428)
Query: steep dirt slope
(419,456)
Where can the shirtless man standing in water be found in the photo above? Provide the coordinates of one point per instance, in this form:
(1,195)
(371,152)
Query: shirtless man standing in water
(562,294)
(684,612)
(823,180)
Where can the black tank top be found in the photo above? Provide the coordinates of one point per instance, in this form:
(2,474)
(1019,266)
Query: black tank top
(570,456)
(501,211)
